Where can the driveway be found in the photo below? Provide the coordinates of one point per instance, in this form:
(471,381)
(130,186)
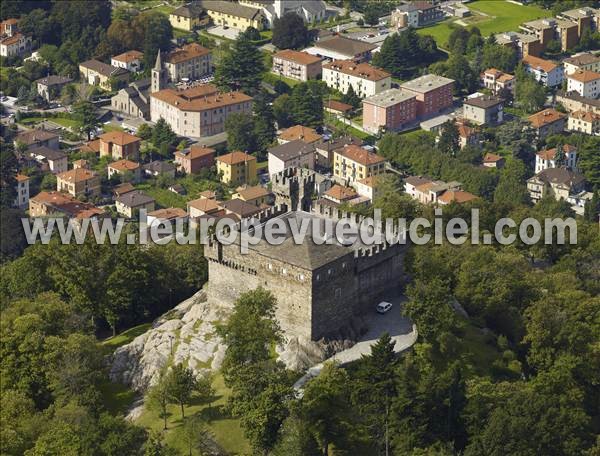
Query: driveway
(229,33)
(403,332)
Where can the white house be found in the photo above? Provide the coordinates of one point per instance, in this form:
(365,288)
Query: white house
(546,159)
(544,71)
(22,188)
(585,83)
(130,60)
(581,62)
(365,79)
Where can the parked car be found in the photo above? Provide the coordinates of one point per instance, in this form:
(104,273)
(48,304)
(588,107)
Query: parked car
(383,307)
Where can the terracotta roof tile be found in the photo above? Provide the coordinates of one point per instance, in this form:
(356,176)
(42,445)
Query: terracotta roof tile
(360,70)
(360,155)
(584,76)
(235,157)
(306,134)
(302,58)
(545,117)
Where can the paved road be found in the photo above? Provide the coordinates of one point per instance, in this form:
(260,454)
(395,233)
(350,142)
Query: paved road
(402,330)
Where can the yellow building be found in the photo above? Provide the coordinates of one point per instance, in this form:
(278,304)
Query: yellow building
(237,168)
(79,183)
(188,17)
(234,15)
(353,163)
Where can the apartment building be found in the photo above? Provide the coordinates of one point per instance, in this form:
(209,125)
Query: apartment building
(233,14)
(497,81)
(298,65)
(547,158)
(585,61)
(584,18)
(342,48)
(189,17)
(125,170)
(562,182)
(197,111)
(59,204)
(484,109)
(236,168)
(365,79)
(585,83)
(417,14)
(390,110)
(119,145)
(433,93)
(544,71)
(353,163)
(293,154)
(584,122)
(194,159)
(191,61)
(79,183)
(22,189)
(53,160)
(548,122)
(523,43)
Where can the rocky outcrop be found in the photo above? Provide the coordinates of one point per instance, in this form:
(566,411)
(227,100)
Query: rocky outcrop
(187,334)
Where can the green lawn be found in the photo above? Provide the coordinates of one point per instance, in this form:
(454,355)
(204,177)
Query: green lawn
(490,16)
(166,198)
(67,123)
(111,127)
(226,429)
(164,9)
(126,336)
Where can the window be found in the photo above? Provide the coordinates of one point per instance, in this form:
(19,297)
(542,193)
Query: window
(338,292)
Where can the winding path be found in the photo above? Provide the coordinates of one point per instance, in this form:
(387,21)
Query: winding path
(401,329)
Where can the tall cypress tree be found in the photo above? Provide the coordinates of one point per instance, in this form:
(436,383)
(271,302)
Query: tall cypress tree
(241,67)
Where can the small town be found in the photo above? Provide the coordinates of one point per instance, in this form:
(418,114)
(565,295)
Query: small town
(224,112)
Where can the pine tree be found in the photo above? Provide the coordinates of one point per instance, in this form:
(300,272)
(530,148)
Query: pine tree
(352,98)
(449,139)
(264,122)
(241,68)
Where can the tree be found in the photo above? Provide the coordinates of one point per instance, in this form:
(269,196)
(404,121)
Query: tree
(264,122)
(181,383)
(502,57)
(449,138)
(351,98)
(260,386)
(196,436)
(281,111)
(529,95)
(429,307)
(511,187)
(325,406)
(205,390)
(86,113)
(241,134)
(376,386)
(371,15)
(156,447)
(290,32)
(163,136)
(402,53)
(306,105)
(252,34)
(159,398)
(241,67)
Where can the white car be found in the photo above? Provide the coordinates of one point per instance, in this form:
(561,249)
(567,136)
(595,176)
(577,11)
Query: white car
(383,307)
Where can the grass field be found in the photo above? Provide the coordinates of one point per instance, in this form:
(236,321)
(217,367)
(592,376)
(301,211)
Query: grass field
(490,16)
(226,430)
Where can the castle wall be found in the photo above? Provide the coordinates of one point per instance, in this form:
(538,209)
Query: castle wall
(334,297)
(237,273)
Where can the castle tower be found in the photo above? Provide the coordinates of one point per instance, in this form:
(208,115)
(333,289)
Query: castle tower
(159,75)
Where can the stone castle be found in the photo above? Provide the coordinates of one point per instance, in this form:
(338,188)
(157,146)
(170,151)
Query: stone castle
(320,287)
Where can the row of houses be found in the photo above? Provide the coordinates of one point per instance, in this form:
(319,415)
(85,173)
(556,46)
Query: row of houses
(244,13)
